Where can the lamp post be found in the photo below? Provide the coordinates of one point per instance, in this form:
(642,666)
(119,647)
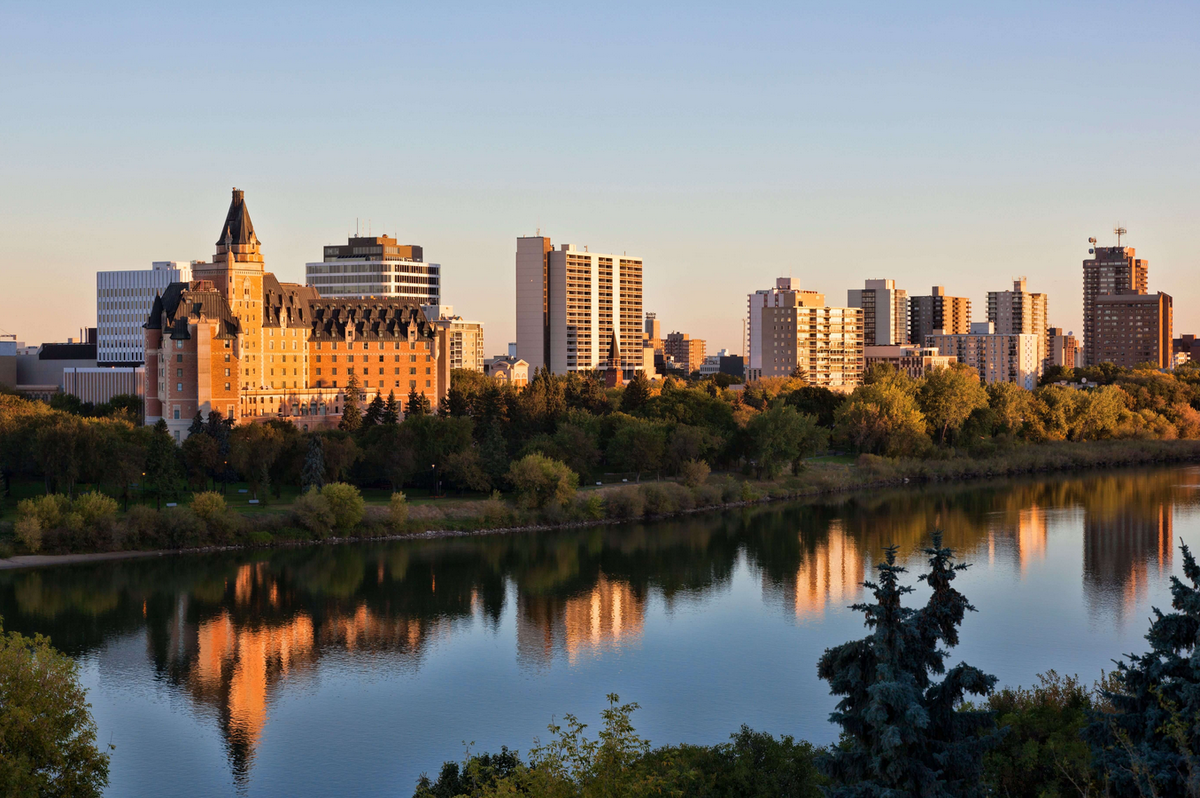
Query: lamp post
(436,484)
(142,488)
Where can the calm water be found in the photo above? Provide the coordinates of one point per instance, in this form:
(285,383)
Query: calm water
(350,670)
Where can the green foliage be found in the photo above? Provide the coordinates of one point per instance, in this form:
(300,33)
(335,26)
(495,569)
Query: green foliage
(313,473)
(47,735)
(695,473)
(398,510)
(624,503)
(95,508)
(351,413)
(636,392)
(781,436)
(947,397)
(636,445)
(208,506)
(313,512)
(345,503)
(882,418)
(417,405)
(28,531)
(541,481)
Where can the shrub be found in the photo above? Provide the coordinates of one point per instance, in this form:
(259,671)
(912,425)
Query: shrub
(656,500)
(346,504)
(695,473)
(592,508)
(495,511)
(312,512)
(95,508)
(141,527)
(624,503)
(258,537)
(208,506)
(29,531)
(707,495)
(541,481)
(181,528)
(731,491)
(48,509)
(398,510)
(749,493)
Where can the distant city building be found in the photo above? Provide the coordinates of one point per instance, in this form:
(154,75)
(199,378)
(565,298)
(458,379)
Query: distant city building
(1185,344)
(885,312)
(915,361)
(653,330)
(571,302)
(800,334)
(996,357)
(376,266)
(1110,270)
(1132,329)
(712,363)
(507,369)
(686,351)
(39,370)
(1020,311)
(123,300)
(786,293)
(465,338)
(1064,348)
(8,361)
(101,384)
(734,366)
(950,314)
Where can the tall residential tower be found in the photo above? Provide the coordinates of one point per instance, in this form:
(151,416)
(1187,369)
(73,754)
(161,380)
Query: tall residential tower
(885,312)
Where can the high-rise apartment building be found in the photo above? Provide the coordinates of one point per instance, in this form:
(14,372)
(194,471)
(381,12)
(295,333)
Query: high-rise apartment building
(123,300)
(571,302)
(996,357)
(1064,348)
(687,352)
(1020,311)
(1110,270)
(798,333)
(885,312)
(950,314)
(1131,329)
(786,293)
(464,338)
(376,266)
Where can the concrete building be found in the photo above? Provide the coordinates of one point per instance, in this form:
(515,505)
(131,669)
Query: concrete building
(465,337)
(996,357)
(915,361)
(1131,329)
(1020,311)
(123,301)
(1064,348)
(570,303)
(8,361)
(376,266)
(885,312)
(950,314)
(1185,345)
(786,293)
(39,370)
(687,352)
(237,341)
(1110,270)
(825,344)
(507,369)
(101,384)
(712,363)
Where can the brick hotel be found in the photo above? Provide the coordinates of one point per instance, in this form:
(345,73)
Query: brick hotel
(236,340)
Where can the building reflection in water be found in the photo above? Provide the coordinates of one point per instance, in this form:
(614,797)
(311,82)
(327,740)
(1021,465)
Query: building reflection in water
(1123,551)
(609,613)
(832,571)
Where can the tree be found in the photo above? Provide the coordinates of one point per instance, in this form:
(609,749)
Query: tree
(541,481)
(60,450)
(948,396)
(253,451)
(197,425)
(903,733)
(882,419)
(780,436)
(201,459)
(313,473)
(391,410)
(351,414)
(375,410)
(493,453)
(637,392)
(162,461)
(1149,744)
(1012,404)
(418,404)
(47,735)
(636,445)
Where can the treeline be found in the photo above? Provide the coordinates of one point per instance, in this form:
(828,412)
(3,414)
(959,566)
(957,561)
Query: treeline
(908,726)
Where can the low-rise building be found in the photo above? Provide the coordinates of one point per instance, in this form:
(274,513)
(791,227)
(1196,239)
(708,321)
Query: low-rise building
(996,357)
(8,361)
(915,361)
(508,369)
(99,385)
(712,363)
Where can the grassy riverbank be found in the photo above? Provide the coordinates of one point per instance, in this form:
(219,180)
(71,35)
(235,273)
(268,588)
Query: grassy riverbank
(79,528)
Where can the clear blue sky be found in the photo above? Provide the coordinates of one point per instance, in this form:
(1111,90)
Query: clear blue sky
(727,145)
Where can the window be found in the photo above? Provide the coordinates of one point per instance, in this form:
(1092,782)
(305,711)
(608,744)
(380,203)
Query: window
(412,371)
(226,372)
(179,386)
(427,384)
(178,372)
(227,386)
(177,418)
(179,358)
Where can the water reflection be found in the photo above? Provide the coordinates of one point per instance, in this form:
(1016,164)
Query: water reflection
(227,631)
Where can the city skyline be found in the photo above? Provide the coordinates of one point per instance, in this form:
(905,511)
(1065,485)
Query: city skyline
(890,145)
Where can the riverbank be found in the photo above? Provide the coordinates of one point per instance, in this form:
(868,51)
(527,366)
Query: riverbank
(145,532)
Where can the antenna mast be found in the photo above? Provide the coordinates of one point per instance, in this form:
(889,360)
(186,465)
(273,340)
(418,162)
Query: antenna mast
(1120,231)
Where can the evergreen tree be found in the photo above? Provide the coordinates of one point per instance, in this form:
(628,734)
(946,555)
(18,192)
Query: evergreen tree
(374,414)
(1150,743)
(637,392)
(418,404)
(162,461)
(493,453)
(313,473)
(197,425)
(351,414)
(901,733)
(391,410)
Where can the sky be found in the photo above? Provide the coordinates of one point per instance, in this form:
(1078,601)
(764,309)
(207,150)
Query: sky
(945,144)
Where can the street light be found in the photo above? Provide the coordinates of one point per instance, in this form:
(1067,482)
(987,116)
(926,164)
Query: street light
(437,485)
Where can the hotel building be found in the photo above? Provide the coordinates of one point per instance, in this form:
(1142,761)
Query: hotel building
(123,300)
(376,266)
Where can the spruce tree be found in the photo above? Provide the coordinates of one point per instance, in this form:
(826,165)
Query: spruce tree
(493,453)
(637,392)
(162,461)
(418,404)
(351,415)
(313,473)
(901,733)
(1150,743)
(391,410)
(197,425)
(374,413)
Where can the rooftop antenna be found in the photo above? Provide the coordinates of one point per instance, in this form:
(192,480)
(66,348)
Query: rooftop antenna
(1120,231)
(1092,245)
(356,227)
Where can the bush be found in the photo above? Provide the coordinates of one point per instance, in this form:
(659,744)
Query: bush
(181,528)
(28,530)
(258,537)
(731,491)
(592,508)
(48,509)
(398,510)
(624,503)
(208,506)
(749,493)
(541,481)
(141,527)
(312,512)
(663,498)
(695,473)
(346,504)
(495,511)
(707,495)
(96,508)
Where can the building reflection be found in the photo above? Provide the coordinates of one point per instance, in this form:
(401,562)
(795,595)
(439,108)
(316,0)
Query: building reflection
(1123,551)
(831,572)
(609,613)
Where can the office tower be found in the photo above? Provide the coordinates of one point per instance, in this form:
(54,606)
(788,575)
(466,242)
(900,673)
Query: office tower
(885,312)
(1110,270)
(1064,348)
(237,341)
(465,338)
(123,300)
(997,357)
(1131,329)
(786,293)
(376,266)
(950,314)
(653,331)
(800,334)
(687,352)
(570,303)
(1018,312)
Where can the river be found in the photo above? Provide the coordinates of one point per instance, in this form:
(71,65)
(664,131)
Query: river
(351,669)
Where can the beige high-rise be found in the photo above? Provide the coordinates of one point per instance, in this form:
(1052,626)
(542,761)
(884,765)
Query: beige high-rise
(1020,312)
(801,333)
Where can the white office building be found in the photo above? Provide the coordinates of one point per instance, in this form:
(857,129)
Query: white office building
(376,266)
(123,302)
